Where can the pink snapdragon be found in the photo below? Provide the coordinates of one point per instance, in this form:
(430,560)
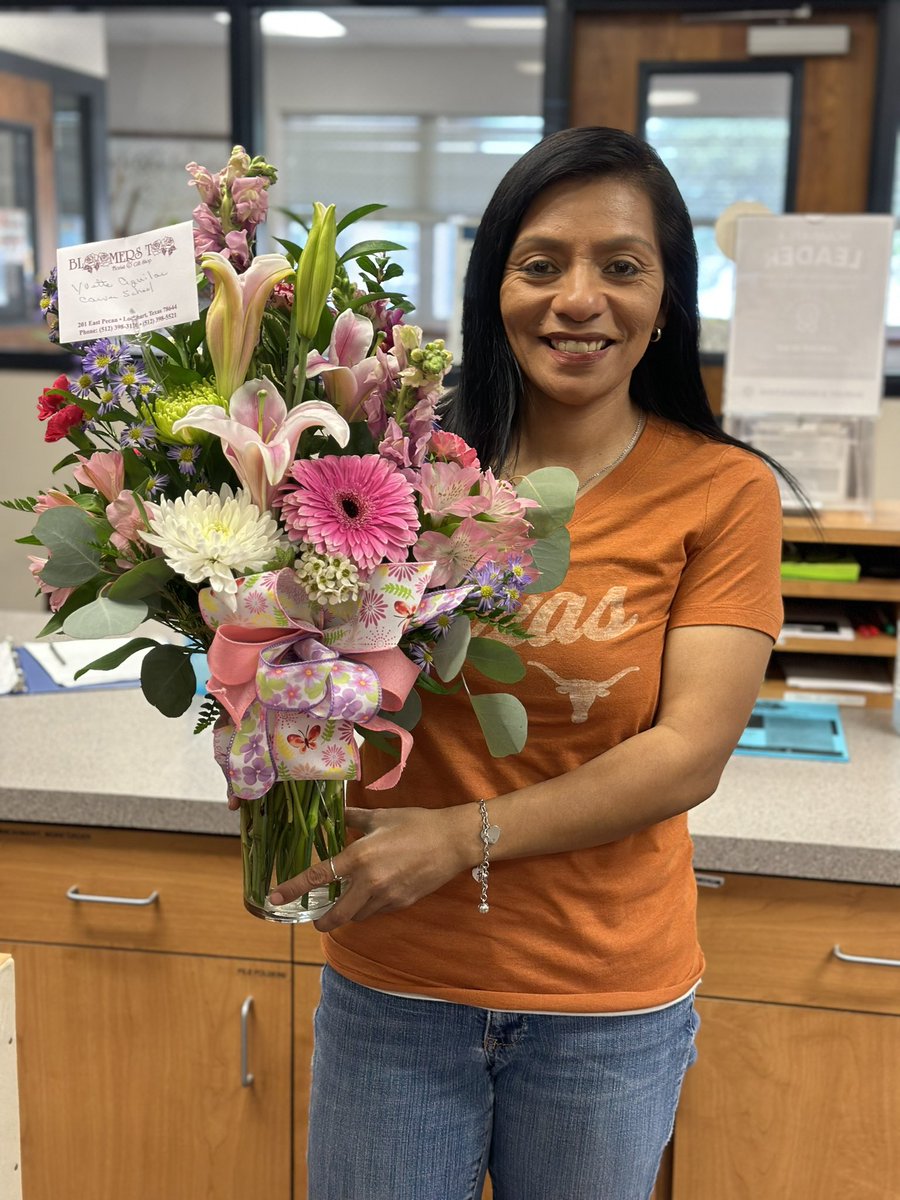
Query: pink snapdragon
(250,197)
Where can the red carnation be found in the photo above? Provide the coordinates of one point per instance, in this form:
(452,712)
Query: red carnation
(62,421)
(49,404)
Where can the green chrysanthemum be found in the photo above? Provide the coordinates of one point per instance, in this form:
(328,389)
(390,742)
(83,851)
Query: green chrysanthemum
(177,404)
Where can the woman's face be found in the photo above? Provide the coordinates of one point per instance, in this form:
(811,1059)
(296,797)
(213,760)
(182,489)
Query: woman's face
(582,291)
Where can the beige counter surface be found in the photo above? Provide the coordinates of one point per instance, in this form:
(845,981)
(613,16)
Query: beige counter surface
(108,758)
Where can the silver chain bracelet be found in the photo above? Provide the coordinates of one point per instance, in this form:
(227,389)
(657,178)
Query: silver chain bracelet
(490,835)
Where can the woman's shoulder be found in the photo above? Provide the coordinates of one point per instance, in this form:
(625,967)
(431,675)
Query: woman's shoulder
(708,456)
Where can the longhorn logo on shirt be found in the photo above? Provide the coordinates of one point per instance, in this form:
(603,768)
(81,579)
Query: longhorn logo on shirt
(582,692)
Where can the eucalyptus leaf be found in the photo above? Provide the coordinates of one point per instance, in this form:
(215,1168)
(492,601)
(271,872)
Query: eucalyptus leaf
(68,534)
(554,489)
(148,578)
(495,660)
(551,558)
(105,618)
(81,595)
(450,650)
(116,657)
(168,680)
(503,721)
(409,715)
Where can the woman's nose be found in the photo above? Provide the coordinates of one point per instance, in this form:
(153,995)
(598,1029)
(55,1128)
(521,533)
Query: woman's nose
(580,294)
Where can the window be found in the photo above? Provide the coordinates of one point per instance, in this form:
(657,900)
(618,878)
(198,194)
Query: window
(725,136)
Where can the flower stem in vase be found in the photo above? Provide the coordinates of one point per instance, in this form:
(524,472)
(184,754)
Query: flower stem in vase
(278,834)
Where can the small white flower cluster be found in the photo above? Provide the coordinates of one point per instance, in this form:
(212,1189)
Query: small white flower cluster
(327,578)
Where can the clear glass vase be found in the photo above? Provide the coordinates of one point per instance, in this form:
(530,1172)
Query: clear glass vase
(279,834)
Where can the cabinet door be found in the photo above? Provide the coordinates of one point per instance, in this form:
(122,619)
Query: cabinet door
(130,1075)
(792,1102)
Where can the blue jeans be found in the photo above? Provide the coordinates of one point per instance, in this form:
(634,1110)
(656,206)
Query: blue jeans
(416,1100)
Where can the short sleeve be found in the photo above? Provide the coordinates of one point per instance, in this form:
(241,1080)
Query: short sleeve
(733,571)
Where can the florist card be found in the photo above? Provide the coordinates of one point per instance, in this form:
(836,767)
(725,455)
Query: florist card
(127,285)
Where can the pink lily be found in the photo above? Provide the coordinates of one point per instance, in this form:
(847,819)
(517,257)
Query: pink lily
(259,435)
(233,320)
(349,374)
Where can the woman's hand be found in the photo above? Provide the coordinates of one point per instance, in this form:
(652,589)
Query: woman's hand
(404,854)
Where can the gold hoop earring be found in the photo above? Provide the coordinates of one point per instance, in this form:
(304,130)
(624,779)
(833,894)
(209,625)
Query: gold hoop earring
(656,334)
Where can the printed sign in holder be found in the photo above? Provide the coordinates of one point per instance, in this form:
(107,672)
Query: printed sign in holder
(805,363)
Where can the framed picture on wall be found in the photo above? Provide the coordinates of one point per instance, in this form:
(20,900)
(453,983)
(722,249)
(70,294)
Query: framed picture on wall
(17,223)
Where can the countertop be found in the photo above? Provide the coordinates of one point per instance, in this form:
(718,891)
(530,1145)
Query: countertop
(108,758)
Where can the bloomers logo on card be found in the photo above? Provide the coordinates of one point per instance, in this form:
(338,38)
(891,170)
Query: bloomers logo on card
(138,255)
(130,285)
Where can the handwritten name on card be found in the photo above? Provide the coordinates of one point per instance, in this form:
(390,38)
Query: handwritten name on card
(128,285)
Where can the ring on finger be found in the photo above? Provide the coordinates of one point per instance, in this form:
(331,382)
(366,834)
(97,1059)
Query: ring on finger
(334,873)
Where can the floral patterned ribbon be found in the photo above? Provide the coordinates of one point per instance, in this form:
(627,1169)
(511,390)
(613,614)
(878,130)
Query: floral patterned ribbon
(294,687)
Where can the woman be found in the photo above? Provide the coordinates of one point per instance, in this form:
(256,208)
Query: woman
(547,1037)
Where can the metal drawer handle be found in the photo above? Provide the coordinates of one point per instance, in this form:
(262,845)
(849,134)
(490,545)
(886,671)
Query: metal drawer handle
(863,958)
(74,894)
(246,1076)
(710,881)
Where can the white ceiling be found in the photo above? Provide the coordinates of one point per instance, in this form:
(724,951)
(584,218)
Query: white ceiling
(394,27)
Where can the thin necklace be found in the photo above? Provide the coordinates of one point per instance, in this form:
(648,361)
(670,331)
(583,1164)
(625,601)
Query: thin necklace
(632,441)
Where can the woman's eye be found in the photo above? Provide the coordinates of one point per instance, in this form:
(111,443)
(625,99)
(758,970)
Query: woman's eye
(624,268)
(538,266)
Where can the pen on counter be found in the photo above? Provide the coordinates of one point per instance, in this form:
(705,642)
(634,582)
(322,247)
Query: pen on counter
(56,654)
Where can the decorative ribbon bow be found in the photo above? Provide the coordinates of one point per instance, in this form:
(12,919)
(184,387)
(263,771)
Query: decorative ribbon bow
(295,690)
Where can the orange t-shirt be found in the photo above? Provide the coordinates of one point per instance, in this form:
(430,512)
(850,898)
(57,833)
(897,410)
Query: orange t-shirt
(685,532)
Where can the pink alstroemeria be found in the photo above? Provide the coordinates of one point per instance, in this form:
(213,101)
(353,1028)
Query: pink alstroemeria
(449,447)
(57,596)
(259,435)
(349,374)
(456,555)
(127,519)
(52,499)
(446,490)
(103,471)
(235,313)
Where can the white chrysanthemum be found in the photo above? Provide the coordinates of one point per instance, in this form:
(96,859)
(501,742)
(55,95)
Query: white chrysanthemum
(209,536)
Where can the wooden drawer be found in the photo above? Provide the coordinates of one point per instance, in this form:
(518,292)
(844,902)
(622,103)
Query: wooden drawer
(768,938)
(198,910)
(307,945)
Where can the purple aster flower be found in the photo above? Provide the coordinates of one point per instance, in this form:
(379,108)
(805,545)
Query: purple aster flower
(439,626)
(157,484)
(186,457)
(422,655)
(82,385)
(138,437)
(129,378)
(107,399)
(102,356)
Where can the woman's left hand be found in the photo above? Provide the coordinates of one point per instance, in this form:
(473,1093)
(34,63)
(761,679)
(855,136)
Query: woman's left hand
(404,854)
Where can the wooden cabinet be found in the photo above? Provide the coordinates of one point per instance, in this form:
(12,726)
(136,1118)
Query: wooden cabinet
(141,1025)
(874,541)
(796,1090)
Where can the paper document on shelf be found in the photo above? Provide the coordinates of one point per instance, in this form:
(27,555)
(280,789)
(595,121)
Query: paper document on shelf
(812,620)
(840,674)
(62,659)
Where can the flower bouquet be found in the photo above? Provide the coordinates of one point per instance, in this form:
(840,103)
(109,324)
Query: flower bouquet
(271,482)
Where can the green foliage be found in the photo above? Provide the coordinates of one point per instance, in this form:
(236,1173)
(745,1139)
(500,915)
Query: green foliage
(503,721)
(369,247)
(554,488)
(168,679)
(69,534)
(148,578)
(116,657)
(210,711)
(105,618)
(409,715)
(357,214)
(25,504)
(450,651)
(551,558)
(495,660)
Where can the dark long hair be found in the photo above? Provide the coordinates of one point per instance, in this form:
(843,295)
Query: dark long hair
(485,408)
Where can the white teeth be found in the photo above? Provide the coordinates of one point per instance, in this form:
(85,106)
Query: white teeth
(569,347)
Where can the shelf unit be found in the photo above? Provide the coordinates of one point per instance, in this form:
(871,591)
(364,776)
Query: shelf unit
(878,531)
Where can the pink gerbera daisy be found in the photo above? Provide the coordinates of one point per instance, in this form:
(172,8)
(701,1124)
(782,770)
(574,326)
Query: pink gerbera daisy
(360,507)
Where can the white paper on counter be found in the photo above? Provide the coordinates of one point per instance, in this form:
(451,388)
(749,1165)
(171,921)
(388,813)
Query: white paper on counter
(77,654)
(127,285)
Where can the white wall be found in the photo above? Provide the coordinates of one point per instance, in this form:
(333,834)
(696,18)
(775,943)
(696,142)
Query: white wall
(77,41)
